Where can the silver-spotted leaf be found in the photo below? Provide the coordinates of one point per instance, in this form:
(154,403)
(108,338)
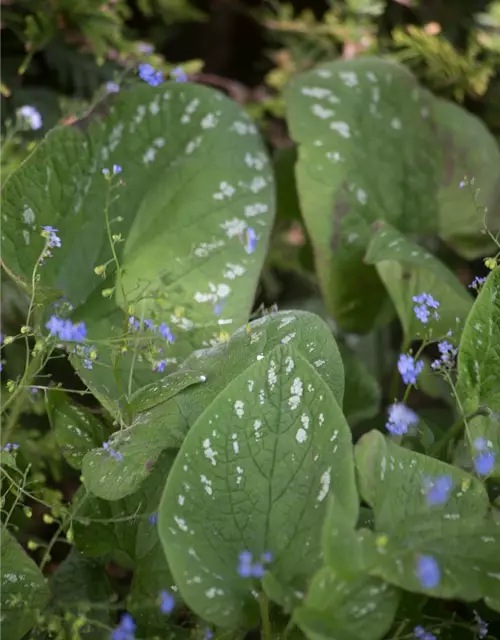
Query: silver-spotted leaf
(365,144)
(165,425)
(24,592)
(408,270)
(253,474)
(336,609)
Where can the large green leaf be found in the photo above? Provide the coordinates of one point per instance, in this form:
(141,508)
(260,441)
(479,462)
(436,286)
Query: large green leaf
(253,474)
(408,270)
(335,609)
(195,178)
(478,364)
(24,592)
(468,149)
(77,431)
(166,424)
(362,392)
(459,534)
(365,153)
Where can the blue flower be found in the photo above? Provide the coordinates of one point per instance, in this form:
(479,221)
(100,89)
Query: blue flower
(149,325)
(105,172)
(149,75)
(251,241)
(166,333)
(179,75)
(428,572)
(248,569)
(153,518)
(32,117)
(134,323)
(483,626)
(425,302)
(448,353)
(112,87)
(400,419)
(51,234)
(66,330)
(112,453)
(10,447)
(437,490)
(160,366)
(167,602)
(209,634)
(117,169)
(477,283)
(484,460)
(145,48)
(125,630)
(422,634)
(409,368)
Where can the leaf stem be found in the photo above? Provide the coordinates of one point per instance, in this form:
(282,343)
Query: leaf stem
(264,615)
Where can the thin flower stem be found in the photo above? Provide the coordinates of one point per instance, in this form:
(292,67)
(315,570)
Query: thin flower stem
(264,615)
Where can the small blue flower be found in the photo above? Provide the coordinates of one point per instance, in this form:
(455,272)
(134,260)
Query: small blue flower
(54,325)
(9,447)
(144,47)
(425,302)
(209,634)
(112,453)
(483,626)
(164,331)
(179,75)
(251,240)
(167,602)
(125,630)
(462,184)
(32,117)
(149,325)
(247,568)
(117,169)
(105,172)
(149,75)
(437,490)
(448,353)
(112,87)
(400,419)
(422,634)
(484,460)
(153,518)
(409,368)
(134,323)
(428,572)
(477,283)
(51,234)
(160,366)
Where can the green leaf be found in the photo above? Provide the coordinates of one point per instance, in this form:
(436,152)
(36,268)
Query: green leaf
(335,609)
(362,395)
(24,592)
(459,534)
(77,431)
(478,381)
(79,582)
(253,474)
(166,425)
(362,157)
(468,149)
(287,199)
(408,270)
(195,177)
(159,392)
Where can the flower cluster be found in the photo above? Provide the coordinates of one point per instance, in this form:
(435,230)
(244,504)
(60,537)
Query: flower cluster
(125,630)
(400,419)
(484,460)
(422,634)
(409,368)
(31,116)
(437,490)
(149,75)
(447,355)
(66,330)
(249,569)
(477,283)
(424,304)
(164,330)
(428,572)
(179,75)
(53,240)
(9,447)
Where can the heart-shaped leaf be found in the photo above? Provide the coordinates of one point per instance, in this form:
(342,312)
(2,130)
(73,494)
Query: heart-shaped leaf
(252,475)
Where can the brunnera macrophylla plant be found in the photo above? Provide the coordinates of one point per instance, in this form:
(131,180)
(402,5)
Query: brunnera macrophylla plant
(221,472)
